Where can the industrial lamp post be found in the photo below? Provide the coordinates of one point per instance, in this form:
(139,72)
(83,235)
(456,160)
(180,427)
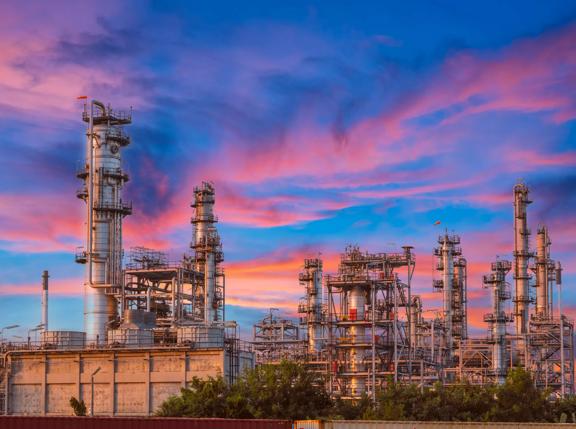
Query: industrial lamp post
(5,328)
(92,391)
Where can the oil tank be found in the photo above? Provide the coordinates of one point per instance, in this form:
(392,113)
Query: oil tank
(63,339)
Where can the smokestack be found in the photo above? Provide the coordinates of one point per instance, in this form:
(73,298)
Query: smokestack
(45,277)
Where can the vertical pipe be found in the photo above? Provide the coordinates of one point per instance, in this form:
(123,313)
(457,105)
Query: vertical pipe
(562,357)
(373,339)
(542,278)
(395,321)
(45,301)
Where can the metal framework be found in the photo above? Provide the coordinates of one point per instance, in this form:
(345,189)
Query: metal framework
(277,339)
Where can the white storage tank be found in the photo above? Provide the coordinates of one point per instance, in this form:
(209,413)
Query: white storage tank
(130,337)
(63,339)
(201,336)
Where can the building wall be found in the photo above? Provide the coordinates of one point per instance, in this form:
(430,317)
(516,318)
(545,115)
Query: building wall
(129,383)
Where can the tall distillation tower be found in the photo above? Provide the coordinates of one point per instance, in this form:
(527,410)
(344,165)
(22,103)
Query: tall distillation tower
(545,269)
(103,180)
(498,318)
(208,252)
(447,252)
(521,259)
(311,278)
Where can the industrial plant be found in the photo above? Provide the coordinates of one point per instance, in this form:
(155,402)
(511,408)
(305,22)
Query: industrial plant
(151,324)
(362,327)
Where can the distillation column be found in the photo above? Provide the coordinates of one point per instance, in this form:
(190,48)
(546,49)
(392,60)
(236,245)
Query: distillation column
(521,258)
(103,178)
(312,278)
(498,318)
(446,253)
(208,249)
(542,266)
(356,306)
(462,304)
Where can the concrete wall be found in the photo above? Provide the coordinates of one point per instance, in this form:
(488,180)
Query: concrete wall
(129,382)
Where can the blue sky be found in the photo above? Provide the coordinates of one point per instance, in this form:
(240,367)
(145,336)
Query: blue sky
(320,123)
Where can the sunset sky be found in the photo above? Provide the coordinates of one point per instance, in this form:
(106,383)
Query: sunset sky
(321,124)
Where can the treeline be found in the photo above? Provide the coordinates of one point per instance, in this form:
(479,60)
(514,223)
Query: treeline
(289,391)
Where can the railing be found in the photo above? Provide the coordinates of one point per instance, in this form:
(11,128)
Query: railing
(122,207)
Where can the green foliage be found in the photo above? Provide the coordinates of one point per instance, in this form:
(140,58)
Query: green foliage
(289,391)
(518,400)
(79,407)
(285,391)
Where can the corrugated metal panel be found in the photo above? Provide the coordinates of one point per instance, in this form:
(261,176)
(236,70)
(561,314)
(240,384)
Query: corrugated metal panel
(26,422)
(308,424)
(367,424)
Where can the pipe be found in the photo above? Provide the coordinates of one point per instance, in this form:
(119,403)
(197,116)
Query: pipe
(45,277)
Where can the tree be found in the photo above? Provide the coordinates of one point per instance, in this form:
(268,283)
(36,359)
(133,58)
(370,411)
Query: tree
(284,391)
(519,400)
(78,407)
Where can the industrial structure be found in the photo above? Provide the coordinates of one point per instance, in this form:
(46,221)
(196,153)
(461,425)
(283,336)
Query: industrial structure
(150,325)
(362,326)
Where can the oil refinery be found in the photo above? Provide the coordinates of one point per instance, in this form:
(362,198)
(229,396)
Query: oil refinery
(151,324)
(362,327)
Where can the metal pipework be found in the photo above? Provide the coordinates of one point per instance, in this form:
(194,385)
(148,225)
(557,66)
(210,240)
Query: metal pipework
(542,273)
(521,258)
(44,322)
(104,179)
(415,321)
(498,318)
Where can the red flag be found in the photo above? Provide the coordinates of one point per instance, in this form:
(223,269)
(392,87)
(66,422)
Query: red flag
(82,97)
(437,222)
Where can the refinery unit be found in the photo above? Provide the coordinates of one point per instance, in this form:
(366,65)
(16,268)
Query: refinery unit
(151,324)
(362,327)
